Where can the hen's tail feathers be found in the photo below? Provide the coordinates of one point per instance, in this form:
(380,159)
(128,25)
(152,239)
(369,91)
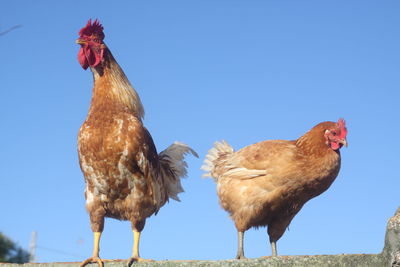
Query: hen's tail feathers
(217,155)
(173,167)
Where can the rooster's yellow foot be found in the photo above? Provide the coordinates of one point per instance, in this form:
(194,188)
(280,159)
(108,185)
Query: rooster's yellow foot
(92,260)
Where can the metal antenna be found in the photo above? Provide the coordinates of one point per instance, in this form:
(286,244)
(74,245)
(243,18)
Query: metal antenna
(32,247)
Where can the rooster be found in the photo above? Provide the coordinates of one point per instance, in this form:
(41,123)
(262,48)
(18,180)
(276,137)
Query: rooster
(125,177)
(267,183)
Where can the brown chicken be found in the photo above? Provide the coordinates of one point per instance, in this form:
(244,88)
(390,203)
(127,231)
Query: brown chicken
(125,177)
(267,183)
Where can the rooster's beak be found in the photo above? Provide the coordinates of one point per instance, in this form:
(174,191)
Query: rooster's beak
(80,41)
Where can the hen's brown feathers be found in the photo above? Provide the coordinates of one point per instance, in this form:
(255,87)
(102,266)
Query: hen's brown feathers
(267,183)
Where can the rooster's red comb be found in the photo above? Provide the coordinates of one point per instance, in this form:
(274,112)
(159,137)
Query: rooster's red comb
(342,126)
(92,29)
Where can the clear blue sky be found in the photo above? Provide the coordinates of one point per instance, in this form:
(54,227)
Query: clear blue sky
(243,71)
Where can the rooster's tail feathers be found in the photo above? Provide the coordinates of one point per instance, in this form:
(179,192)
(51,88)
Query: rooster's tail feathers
(173,167)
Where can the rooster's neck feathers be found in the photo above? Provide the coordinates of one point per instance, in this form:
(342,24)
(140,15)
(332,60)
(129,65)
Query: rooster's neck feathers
(111,83)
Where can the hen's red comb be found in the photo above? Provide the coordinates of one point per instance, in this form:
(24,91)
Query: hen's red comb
(92,29)
(342,126)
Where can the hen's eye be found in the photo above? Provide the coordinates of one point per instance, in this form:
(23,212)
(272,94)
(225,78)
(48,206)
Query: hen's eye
(334,133)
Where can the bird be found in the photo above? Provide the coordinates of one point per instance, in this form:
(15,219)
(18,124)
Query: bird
(125,177)
(267,183)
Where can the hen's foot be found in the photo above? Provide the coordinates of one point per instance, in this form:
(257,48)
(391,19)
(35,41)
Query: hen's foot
(137,259)
(92,260)
(240,257)
(240,251)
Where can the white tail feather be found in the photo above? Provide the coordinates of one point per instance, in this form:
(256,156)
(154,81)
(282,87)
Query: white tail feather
(216,154)
(173,167)
(218,164)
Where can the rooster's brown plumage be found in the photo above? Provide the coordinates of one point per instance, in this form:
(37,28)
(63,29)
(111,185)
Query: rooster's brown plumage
(125,177)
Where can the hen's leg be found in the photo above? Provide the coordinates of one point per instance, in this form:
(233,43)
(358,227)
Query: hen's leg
(136,229)
(275,232)
(273,247)
(240,251)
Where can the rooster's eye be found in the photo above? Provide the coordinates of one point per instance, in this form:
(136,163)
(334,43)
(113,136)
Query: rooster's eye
(334,133)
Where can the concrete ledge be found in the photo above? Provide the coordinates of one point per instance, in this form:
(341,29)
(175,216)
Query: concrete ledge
(362,260)
(390,257)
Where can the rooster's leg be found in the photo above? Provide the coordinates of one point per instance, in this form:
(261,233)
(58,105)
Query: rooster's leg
(95,257)
(273,247)
(240,251)
(135,250)
(136,240)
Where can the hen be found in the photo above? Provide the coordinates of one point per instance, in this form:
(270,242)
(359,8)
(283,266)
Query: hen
(267,183)
(125,177)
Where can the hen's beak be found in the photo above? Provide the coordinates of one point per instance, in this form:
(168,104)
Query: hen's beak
(80,41)
(344,142)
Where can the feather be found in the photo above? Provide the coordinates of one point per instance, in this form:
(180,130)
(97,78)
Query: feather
(173,167)
(267,183)
(125,177)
